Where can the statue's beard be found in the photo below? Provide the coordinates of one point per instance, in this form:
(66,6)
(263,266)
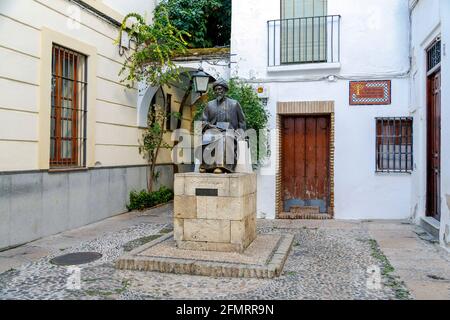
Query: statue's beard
(220,97)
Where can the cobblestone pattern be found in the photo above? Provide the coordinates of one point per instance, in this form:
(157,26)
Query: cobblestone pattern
(43,280)
(323,264)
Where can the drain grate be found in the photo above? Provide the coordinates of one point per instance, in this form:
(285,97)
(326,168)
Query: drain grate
(76,258)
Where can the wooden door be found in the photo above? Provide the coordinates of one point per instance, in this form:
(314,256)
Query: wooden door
(434,146)
(305,165)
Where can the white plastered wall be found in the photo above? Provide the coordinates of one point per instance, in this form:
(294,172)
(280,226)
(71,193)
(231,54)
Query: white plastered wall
(24,25)
(374,45)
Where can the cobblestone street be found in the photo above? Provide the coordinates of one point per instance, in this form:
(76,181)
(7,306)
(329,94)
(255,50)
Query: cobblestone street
(328,260)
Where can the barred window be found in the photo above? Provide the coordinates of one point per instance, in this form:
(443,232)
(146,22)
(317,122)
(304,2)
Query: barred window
(394,145)
(434,56)
(68,109)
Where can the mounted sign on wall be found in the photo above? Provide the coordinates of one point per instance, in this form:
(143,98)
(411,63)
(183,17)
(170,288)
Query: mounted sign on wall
(370,92)
(262,91)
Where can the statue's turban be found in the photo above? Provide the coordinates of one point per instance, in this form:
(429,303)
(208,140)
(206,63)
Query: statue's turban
(221,83)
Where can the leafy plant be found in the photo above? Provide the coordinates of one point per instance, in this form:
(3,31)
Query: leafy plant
(208,21)
(144,199)
(153,140)
(151,62)
(256,115)
(156,45)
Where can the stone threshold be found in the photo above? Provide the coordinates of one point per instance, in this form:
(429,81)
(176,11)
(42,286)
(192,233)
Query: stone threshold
(304,216)
(265,263)
(431,225)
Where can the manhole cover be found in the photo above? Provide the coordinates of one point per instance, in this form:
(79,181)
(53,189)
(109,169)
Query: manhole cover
(76,258)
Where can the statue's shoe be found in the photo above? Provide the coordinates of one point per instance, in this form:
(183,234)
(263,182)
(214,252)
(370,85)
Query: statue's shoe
(202,169)
(218,171)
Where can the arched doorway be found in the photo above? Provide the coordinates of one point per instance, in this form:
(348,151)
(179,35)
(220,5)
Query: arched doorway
(176,97)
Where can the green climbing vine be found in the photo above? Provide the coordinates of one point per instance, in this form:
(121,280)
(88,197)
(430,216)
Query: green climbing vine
(151,62)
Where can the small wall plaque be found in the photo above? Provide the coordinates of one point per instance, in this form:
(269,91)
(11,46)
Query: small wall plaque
(370,92)
(206,192)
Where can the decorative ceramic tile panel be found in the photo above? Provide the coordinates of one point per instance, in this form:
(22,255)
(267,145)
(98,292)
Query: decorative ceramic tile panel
(370,92)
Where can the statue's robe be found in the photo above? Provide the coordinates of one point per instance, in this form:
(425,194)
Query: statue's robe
(227,115)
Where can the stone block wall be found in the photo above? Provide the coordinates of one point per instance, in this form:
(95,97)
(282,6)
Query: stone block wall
(39,203)
(215,212)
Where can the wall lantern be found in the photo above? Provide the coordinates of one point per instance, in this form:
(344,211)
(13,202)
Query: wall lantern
(200,80)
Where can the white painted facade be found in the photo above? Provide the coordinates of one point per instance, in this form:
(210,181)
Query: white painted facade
(376,38)
(34,201)
(374,45)
(430,19)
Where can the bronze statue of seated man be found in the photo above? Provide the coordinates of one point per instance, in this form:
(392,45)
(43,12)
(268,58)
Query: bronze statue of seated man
(223,125)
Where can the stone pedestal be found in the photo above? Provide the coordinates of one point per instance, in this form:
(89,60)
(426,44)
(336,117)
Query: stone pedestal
(215,212)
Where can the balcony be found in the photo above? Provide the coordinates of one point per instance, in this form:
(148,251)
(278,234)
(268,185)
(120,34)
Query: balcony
(304,43)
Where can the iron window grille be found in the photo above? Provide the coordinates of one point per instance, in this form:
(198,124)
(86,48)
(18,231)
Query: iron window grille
(434,56)
(394,144)
(68,109)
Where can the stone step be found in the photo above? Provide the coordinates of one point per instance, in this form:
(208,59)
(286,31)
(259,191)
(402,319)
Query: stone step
(431,226)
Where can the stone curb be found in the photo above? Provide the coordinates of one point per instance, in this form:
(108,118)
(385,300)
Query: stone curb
(272,268)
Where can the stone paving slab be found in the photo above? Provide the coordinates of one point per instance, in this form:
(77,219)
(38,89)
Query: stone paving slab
(7,264)
(27,253)
(259,252)
(264,258)
(59,242)
(311,224)
(429,290)
(423,266)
